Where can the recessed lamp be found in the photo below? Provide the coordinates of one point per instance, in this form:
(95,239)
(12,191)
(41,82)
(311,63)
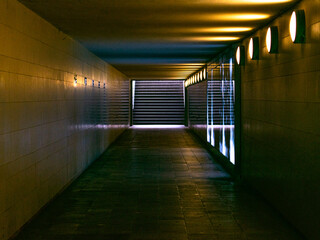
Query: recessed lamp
(240,55)
(240,16)
(254,48)
(267,1)
(229,29)
(297,26)
(272,39)
(217,39)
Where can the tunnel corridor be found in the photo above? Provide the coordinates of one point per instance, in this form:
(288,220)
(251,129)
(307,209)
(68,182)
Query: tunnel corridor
(157,184)
(234,84)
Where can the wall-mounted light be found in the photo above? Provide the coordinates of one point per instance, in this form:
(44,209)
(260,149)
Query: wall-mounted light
(201,78)
(272,39)
(75,80)
(254,48)
(298,26)
(204,74)
(85,81)
(240,55)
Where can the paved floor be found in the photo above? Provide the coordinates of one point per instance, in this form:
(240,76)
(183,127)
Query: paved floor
(157,184)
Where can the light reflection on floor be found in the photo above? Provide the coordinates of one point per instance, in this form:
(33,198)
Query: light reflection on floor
(222,137)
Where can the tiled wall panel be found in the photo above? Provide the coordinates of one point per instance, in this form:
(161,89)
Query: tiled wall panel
(50,130)
(281,122)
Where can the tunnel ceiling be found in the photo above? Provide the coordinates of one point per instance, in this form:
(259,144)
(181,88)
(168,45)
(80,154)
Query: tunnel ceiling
(157,39)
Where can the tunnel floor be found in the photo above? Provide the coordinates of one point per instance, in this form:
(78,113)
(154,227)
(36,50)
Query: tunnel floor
(157,184)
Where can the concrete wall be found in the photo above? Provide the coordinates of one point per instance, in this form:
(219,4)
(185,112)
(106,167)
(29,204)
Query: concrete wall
(50,130)
(281,122)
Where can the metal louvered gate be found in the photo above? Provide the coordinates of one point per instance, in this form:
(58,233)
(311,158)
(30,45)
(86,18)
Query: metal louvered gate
(158,102)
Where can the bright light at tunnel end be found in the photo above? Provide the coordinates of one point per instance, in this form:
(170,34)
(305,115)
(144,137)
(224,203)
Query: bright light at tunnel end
(157,126)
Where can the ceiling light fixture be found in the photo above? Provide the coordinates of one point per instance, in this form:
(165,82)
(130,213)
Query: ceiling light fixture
(227,29)
(265,1)
(242,16)
(214,39)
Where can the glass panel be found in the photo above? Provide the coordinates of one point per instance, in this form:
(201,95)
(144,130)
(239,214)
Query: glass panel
(220,106)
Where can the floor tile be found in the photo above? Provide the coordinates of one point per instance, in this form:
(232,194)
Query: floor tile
(153,185)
